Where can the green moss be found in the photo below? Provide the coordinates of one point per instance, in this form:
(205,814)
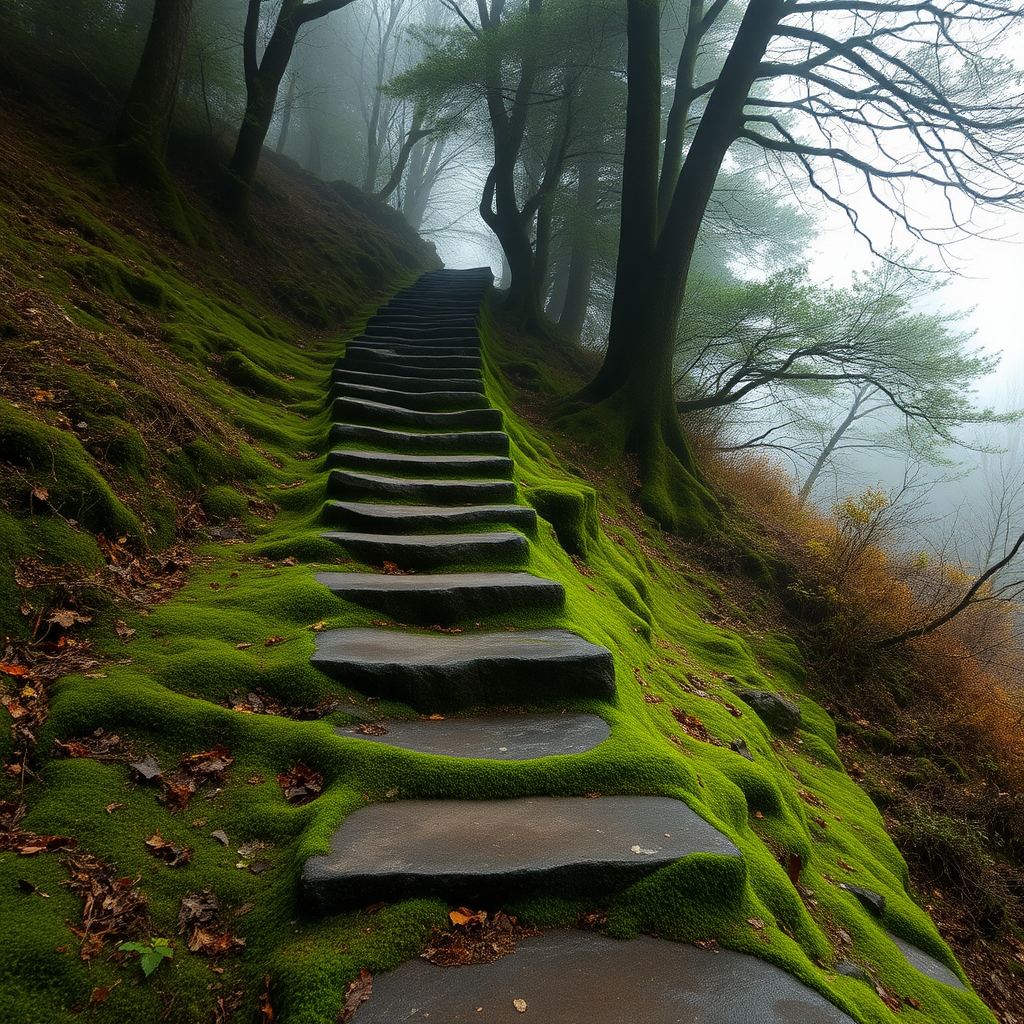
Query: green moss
(56,461)
(572,511)
(223,503)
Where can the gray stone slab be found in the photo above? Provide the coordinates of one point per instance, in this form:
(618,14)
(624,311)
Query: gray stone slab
(414,348)
(433,672)
(389,463)
(436,400)
(363,364)
(385,380)
(443,598)
(492,737)
(392,354)
(433,551)
(422,332)
(380,518)
(358,410)
(927,965)
(344,483)
(477,852)
(570,977)
(465,442)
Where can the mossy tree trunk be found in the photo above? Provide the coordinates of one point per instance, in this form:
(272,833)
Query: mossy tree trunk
(633,388)
(262,81)
(144,124)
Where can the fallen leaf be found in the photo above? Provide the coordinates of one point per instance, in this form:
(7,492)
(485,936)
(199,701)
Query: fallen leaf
(220,836)
(755,922)
(40,493)
(242,647)
(123,630)
(264,1005)
(273,641)
(358,991)
(301,784)
(101,993)
(172,853)
(66,618)
(14,670)
(845,866)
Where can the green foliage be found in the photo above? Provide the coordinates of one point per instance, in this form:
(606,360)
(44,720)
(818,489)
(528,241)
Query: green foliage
(152,953)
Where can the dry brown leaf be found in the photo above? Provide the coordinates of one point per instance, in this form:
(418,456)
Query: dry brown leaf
(358,991)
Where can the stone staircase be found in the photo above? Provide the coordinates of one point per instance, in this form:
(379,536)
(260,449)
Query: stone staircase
(423,479)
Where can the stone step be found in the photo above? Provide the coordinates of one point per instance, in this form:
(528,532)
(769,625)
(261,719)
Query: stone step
(379,518)
(389,355)
(358,410)
(466,442)
(484,852)
(343,483)
(494,467)
(409,321)
(422,401)
(432,672)
(574,977)
(489,737)
(434,551)
(357,363)
(362,343)
(422,332)
(444,598)
(385,380)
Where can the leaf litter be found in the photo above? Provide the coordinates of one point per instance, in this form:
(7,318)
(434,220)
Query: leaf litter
(475,937)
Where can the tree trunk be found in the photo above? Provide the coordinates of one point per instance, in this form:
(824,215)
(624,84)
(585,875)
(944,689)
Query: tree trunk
(581,263)
(633,388)
(286,114)
(262,80)
(145,120)
(825,454)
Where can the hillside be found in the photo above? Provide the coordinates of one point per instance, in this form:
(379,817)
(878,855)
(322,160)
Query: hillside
(171,754)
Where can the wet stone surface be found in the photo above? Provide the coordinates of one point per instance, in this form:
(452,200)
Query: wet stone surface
(926,964)
(433,672)
(493,737)
(472,850)
(584,978)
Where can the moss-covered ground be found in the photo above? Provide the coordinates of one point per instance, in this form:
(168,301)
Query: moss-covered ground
(163,419)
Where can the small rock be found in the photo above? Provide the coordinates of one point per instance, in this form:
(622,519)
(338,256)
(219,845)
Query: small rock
(848,969)
(741,748)
(873,901)
(777,712)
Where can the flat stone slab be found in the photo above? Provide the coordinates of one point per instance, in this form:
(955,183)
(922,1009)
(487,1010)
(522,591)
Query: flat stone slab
(385,380)
(492,737)
(481,851)
(363,363)
(465,442)
(495,466)
(433,672)
(401,354)
(343,483)
(436,400)
(358,410)
(402,346)
(432,551)
(927,965)
(444,597)
(380,518)
(570,977)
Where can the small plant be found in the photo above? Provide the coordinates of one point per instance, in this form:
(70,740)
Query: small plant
(152,952)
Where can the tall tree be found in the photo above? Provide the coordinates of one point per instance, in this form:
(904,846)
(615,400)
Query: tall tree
(899,93)
(262,80)
(144,124)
